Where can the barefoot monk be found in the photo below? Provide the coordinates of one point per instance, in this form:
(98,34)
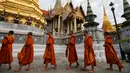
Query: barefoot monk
(6,49)
(26,55)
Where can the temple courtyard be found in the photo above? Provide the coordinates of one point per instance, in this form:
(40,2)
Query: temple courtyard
(62,63)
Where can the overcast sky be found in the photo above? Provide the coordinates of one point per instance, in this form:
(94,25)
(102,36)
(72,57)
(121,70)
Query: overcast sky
(96,5)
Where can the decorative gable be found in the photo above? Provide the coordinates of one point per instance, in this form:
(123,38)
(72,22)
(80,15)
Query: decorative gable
(79,12)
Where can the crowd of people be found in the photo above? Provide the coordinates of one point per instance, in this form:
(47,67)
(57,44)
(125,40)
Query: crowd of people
(26,55)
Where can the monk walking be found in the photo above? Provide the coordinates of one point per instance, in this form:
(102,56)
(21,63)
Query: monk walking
(89,57)
(26,55)
(71,51)
(6,49)
(111,56)
(49,55)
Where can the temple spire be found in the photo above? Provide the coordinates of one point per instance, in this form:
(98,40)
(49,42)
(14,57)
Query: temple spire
(90,17)
(107,26)
(58,3)
(89,9)
(126,14)
(70,1)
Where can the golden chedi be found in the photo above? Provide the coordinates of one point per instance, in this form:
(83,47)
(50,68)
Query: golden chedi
(22,11)
(107,26)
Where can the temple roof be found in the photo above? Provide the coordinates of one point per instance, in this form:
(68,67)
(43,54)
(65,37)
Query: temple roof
(67,11)
(81,8)
(107,26)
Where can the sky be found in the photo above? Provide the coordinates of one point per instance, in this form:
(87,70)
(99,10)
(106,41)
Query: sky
(97,7)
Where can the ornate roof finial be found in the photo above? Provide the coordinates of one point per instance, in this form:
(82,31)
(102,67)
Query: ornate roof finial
(58,3)
(104,8)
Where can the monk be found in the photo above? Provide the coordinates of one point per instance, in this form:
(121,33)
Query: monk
(6,50)
(89,57)
(71,51)
(111,56)
(49,55)
(26,55)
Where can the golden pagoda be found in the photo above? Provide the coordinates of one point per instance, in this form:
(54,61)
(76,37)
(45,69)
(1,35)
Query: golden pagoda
(107,26)
(24,10)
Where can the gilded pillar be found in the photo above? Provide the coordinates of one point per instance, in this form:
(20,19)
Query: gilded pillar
(53,24)
(68,27)
(59,23)
(75,25)
(71,26)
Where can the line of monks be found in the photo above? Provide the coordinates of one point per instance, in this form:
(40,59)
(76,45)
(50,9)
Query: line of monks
(26,55)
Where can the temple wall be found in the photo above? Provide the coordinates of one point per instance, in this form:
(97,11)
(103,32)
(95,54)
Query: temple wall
(124,33)
(21,32)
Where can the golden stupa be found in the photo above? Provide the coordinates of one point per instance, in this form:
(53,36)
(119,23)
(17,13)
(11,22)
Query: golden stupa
(107,26)
(23,8)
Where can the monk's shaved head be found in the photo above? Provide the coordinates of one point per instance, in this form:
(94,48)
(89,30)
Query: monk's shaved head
(85,31)
(48,33)
(106,33)
(71,32)
(11,32)
(30,33)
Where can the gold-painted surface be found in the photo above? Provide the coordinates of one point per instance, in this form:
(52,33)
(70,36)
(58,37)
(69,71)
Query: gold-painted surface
(107,26)
(25,8)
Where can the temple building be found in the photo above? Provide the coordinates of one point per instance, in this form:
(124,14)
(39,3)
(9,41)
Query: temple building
(21,12)
(107,26)
(63,19)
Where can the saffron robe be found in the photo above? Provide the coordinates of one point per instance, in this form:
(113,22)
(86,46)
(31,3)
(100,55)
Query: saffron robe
(49,54)
(89,56)
(26,55)
(6,50)
(71,50)
(111,56)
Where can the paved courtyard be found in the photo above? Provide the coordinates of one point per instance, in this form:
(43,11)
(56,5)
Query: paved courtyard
(62,63)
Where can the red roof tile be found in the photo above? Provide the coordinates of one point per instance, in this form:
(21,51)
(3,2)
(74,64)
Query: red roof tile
(45,12)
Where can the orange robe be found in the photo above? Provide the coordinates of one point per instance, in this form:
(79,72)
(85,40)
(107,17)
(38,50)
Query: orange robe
(49,55)
(71,50)
(111,56)
(89,57)
(26,55)
(6,50)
